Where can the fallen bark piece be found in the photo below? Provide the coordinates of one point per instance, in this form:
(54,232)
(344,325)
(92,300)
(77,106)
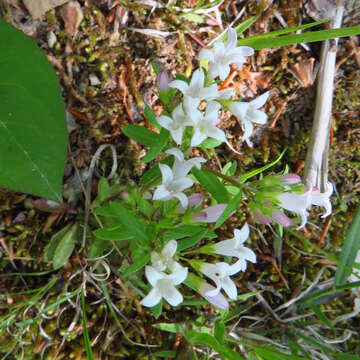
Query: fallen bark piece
(37,8)
(72,15)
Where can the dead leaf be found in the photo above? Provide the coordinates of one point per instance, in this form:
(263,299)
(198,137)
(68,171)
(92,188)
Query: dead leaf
(37,8)
(72,15)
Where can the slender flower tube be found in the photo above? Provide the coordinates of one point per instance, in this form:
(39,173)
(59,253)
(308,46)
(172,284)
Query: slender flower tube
(164,286)
(210,214)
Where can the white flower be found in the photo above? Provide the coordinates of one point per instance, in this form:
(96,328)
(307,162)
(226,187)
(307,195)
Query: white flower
(220,273)
(221,56)
(174,180)
(299,203)
(164,260)
(195,92)
(217,300)
(164,286)
(234,247)
(179,121)
(248,113)
(206,126)
(181,166)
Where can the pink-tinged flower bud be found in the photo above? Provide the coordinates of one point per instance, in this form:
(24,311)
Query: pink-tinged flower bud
(218,121)
(163,81)
(195,200)
(218,300)
(280,218)
(124,194)
(209,215)
(261,218)
(290,179)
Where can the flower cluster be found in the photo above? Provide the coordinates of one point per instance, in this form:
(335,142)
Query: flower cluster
(191,116)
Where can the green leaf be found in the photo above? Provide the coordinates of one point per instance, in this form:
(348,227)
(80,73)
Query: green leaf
(89,353)
(191,241)
(65,247)
(269,353)
(140,258)
(307,37)
(233,204)
(150,116)
(130,222)
(157,147)
(173,328)
(117,234)
(225,351)
(193,17)
(210,143)
(212,185)
(157,310)
(219,331)
(140,134)
(103,190)
(250,174)
(349,250)
(156,68)
(183,231)
(33,134)
(165,354)
(50,248)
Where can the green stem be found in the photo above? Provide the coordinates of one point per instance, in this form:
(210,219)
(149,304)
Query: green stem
(227,178)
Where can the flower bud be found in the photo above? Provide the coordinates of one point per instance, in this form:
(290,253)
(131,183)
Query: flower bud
(218,300)
(163,80)
(210,214)
(290,179)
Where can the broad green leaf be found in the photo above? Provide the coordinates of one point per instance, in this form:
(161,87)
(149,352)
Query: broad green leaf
(233,204)
(50,248)
(308,37)
(98,247)
(65,247)
(157,147)
(210,143)
(219,331)
(191,241)
(140,134)
(270,353)
(140,258)
(33,133)
(349,250)
(183,231)
(118,234)
(212,185)
(156,69)
(89,353)
(130,222)
(173,328)
(150,115)
(103,190)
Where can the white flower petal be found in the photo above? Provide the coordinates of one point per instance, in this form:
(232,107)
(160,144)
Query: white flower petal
(166,173)
(224,71)
(172,296)
(152,298)
(248,129)
(178,276)
(182,198)
(230,288)
(225,247)
(197,81)
(216,133)
(180,85)
(190,105)
(161,193)
(260,101)
(157,262)
(176,152)
(165,121)
(197,138)
(232,39)
(242,235)
(239,109)
(206,54)
(259,117)
(153,275)
(169,249)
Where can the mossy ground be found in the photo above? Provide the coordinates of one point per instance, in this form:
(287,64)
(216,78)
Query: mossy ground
(127,81)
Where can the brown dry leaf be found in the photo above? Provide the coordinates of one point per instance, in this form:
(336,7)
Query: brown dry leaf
(37,8)
(72,16)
